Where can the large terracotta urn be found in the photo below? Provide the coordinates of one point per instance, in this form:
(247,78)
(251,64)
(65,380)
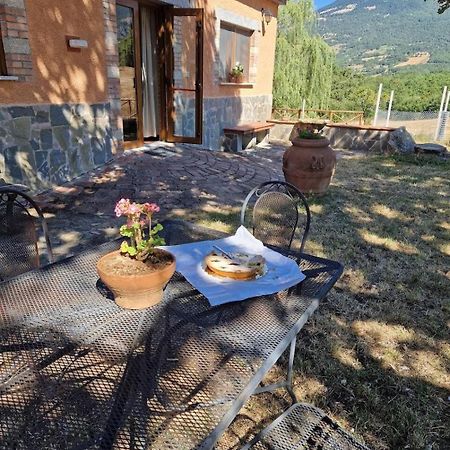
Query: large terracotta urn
(309,164)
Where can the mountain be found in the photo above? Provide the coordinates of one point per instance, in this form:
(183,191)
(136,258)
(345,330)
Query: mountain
(385,36)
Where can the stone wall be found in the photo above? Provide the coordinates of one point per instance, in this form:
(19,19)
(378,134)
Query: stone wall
(222,112)
(44,145)
(343,137)
(363,139)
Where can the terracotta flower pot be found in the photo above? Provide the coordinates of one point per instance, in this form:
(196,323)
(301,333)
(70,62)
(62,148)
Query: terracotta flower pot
(236,78)
(135,291)
(309,164)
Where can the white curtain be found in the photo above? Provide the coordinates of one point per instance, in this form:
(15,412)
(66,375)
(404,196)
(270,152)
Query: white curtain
(149,73)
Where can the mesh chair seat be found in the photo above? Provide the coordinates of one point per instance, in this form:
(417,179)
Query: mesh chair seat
(19,251)
(304,427)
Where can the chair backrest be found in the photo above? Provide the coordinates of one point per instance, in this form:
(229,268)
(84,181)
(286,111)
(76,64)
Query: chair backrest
(274,211)
(19,235)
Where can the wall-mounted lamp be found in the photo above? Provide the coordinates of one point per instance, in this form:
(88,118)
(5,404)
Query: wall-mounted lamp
(78,43)
(267,15)
(75,44)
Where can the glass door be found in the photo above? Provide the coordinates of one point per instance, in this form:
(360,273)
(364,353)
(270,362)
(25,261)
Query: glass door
(130,72)
(184,50)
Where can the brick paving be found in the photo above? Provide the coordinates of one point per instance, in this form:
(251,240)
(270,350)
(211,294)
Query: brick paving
(182,179)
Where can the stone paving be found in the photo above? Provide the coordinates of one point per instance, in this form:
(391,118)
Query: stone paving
(182,179)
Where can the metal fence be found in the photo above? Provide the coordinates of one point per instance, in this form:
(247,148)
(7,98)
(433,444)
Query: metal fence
(324,115)
(422,125)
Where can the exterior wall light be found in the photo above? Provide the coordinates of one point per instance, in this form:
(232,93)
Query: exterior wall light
(78,43)
(267,15)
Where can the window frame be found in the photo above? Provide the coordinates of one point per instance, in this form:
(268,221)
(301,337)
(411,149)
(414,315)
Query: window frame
(3,67)
(236,29)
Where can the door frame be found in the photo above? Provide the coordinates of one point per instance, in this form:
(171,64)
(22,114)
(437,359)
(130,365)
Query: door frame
(134,5)
(198,13)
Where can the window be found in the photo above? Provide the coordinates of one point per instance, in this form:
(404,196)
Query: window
(234,48)
(2,57)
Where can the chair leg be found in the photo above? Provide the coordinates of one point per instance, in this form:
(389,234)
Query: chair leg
(290,374)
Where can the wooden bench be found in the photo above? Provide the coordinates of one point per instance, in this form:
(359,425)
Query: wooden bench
(246,135)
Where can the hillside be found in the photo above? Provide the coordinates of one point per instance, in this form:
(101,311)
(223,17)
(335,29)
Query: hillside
(385,36)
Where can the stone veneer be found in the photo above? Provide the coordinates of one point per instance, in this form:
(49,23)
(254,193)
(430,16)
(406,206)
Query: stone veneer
(362,139)
(222,112)
(343,137)
(43,145)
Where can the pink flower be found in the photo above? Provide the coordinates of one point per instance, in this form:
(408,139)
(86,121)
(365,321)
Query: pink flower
(134,209)
(122,207)
(150,208)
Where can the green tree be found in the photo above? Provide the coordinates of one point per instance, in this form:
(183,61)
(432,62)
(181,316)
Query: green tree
(443,5)
(303,62)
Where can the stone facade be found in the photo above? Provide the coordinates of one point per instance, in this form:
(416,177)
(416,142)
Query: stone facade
(223,112)
(367,140)
(342,137)
(44,145)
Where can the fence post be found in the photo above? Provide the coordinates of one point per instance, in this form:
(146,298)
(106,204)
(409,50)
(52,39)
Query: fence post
(441,110)
(302,115)
(377,108)
(444,118)
(391,99)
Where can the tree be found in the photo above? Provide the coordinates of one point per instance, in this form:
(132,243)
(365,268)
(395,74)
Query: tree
(443,5)
(303,61)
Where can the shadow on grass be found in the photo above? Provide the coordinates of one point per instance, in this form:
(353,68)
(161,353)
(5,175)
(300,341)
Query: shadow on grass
(376,354)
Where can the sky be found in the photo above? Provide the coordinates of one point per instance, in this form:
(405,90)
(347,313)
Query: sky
(321,3)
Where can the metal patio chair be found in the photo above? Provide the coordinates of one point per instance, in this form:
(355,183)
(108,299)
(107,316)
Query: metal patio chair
(304,427)
(274,211)
(19,235)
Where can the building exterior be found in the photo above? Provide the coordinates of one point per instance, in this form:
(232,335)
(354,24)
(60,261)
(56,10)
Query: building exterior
(80,80)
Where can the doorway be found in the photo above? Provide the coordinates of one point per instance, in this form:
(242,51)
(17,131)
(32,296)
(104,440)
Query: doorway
(161,69)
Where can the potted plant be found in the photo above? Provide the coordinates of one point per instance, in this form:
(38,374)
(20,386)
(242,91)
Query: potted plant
(310,162)
(138,272)
(236,74)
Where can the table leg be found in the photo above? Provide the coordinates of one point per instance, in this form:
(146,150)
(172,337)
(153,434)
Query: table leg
(252,386)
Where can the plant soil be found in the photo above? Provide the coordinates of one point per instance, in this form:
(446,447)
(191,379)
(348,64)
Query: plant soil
(122,265)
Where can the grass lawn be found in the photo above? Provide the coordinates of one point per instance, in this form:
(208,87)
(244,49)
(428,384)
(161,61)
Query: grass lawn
(376,355)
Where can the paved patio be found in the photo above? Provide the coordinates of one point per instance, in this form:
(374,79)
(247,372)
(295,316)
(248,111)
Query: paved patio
(182,179)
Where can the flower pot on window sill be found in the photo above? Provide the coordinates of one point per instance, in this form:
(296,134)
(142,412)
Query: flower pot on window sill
(236,78)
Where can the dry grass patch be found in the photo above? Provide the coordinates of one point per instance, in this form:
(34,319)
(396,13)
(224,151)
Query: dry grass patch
(376,354)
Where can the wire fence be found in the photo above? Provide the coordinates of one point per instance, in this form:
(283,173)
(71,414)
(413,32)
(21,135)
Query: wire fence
(422,125)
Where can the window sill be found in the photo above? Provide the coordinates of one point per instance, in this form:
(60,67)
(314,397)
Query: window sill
(241,85)
(8,78)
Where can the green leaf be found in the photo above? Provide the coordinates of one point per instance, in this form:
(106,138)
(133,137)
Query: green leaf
(132,251)
(158,227)
(126,231)
(142,245)
(124,247)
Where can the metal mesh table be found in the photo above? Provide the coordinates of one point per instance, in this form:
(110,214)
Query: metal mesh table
(76,371)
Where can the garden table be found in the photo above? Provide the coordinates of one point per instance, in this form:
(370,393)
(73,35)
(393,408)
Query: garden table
(76,371)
